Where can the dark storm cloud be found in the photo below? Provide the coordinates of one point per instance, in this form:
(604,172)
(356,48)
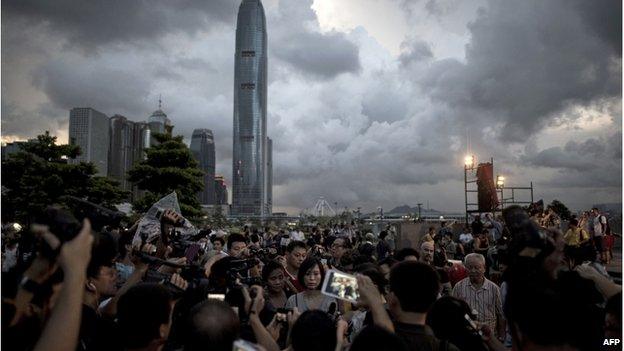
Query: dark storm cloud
(20,123)
(528,60)
(295,38)
(594,162)
(89,24)
(321,55)
(109,90)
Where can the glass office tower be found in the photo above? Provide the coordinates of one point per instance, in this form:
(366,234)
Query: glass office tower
(203,149)
(250,187)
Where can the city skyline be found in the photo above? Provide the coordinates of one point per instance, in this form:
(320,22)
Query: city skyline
(370,102)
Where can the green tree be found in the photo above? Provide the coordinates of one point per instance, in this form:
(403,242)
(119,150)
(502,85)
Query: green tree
(218,219)
(39,175)
(169,167)
(560,209)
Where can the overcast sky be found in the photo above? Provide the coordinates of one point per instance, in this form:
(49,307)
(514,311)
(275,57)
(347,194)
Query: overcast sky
(370,103)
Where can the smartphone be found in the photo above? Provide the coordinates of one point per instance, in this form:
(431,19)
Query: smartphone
(191,252)
(340,285)
(242,345)
(219,297)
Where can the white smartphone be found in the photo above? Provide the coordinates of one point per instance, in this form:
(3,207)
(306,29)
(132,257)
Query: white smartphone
(243,345)
(340,285)
(219,297)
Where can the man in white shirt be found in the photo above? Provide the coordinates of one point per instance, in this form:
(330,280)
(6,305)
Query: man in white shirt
(466,239)
(297,235)
(482,295)
(599,229)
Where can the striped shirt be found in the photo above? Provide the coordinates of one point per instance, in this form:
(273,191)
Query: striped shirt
(486,301)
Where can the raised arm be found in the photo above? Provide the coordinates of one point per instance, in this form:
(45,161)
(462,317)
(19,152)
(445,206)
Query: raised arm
(61,330)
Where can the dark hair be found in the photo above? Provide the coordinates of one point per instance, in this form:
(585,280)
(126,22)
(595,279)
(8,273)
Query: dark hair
(574,222)
(383,234)
(140,313)
(234,238)
(390,261)
(296,244)
(404,252)
(447,320)
(219,239)
(255,238)
(377,277)
(103,254)
(374,338)
(125,238)
(416,285)
(212,323)
(269,268)
(306,265)
(314,330)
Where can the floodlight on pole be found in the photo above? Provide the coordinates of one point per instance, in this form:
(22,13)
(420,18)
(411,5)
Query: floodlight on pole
(500,181)
(469,161)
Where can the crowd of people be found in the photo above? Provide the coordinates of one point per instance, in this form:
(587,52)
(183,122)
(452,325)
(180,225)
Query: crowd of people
(514,281)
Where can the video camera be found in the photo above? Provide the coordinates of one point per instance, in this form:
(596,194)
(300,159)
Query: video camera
(66,225)
(193,274)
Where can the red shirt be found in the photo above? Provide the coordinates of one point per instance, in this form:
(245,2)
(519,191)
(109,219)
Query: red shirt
(295,282)
(456,273)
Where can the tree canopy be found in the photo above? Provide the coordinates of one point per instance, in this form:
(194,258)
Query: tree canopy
(169,166)
(560,209)
(40,175)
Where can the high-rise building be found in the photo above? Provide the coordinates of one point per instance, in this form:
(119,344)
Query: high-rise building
(128,141)
(203,149)
(158,122)
(89,129)
(250,189)
(221,193)
(269,177)
(11,148)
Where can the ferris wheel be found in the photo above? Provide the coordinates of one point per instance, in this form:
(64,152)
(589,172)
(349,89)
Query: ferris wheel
(323,208)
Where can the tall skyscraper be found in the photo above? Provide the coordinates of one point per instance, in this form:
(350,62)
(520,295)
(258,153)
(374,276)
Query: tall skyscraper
(158,122)
(269,177)
(128,141)
(89,129)
(250,188)
(203,149)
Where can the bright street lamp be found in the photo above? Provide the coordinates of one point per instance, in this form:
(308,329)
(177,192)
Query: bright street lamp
(500,181)
(469,161)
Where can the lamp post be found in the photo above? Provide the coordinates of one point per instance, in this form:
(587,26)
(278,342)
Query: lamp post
(419,206)
(469,165)
(500,184)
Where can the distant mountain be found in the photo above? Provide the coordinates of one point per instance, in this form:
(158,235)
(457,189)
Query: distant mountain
(401,210)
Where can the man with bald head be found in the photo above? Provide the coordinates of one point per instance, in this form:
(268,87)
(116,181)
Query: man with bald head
(481,294)
(427,250)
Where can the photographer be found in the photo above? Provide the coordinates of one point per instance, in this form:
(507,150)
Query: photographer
(62,328)
(236,247)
